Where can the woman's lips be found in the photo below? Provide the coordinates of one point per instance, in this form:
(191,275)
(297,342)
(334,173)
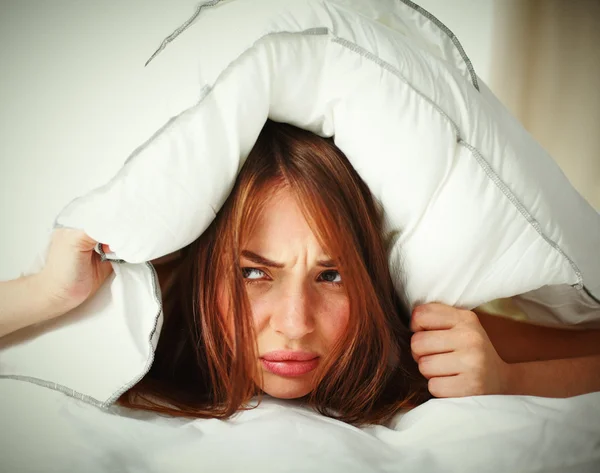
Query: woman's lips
(290,368)
(290,362)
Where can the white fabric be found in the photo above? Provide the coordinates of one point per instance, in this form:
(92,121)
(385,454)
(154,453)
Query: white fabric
(484,212)
(46,431)
(467,235)
(93,350)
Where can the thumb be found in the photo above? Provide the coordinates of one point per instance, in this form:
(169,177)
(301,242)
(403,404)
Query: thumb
(105,269)
(102,270)
(84,242)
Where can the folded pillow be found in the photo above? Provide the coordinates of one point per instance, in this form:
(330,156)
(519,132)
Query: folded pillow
(483,211)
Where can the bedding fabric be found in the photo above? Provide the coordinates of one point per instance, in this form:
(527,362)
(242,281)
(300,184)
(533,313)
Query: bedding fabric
(52,432)
(483,213)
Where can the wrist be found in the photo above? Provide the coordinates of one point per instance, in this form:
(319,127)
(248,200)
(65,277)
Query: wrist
(26,301)
(513,378)
(48,299)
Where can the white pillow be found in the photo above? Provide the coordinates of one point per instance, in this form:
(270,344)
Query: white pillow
(483,211)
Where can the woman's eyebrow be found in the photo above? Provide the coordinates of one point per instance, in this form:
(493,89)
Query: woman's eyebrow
(258,259)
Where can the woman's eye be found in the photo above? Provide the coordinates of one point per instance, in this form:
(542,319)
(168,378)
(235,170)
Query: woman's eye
(332,277)
(254,275)
(248,271)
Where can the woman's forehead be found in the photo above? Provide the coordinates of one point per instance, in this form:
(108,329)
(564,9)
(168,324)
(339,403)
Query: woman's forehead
(281,233)
(280,215)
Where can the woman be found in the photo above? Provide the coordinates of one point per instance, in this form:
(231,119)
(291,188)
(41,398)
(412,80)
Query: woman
(288,293)
(311,267)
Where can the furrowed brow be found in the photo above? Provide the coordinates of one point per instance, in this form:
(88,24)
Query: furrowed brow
(258,259)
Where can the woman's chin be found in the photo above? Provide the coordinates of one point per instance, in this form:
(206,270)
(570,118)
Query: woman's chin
(286,388)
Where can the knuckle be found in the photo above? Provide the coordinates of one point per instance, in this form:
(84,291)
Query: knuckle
(417,316)
(435,389)
(468,316)
(424,363)
(472,339)
(416,341)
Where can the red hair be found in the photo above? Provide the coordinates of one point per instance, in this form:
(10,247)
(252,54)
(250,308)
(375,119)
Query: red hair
(203,370)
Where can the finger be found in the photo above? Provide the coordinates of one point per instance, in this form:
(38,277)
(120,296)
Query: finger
(433,317)
(444,364)
(84,242)
(103,270)
(433,341)
(450,386)
(106,248)
(106,268)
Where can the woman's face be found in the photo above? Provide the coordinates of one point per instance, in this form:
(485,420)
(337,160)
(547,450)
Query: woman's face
(299,306)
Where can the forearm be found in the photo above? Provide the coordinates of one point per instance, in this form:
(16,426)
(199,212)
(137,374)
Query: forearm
(518,342)
(555,378)
(26,301)
(545,361)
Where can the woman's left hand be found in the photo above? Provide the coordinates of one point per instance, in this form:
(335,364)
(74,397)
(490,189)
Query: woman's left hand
(455,354)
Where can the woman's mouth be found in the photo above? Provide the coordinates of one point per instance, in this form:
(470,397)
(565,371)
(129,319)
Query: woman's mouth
(290,363)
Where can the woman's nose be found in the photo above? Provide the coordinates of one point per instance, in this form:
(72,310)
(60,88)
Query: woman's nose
(293,317)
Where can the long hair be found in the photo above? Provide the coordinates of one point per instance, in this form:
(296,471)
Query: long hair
(203,370)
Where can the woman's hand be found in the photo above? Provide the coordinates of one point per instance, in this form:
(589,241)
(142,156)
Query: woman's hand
(73,271)
(455,354)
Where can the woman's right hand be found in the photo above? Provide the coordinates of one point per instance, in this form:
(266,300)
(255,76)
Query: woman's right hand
(73,271)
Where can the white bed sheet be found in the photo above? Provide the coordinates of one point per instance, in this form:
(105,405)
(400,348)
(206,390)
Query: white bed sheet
(47,431)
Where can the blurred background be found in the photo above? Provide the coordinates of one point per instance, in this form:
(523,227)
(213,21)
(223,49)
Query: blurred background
(66,66)
(542,59)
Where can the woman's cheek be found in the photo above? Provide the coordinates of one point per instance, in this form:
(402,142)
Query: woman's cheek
(335,320)
(260,307)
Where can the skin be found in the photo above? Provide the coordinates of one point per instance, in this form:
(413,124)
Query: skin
(455,353)
(73,272)
(463,353)
(296,307)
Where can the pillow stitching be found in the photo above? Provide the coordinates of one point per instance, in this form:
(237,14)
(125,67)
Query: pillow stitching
(98,249)
(182,28)
(452,37)
(55,387)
